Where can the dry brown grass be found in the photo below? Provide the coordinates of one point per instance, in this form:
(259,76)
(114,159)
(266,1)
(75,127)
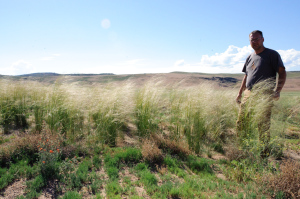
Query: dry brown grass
(151,152)
(18,146)
(232,152)
(174,147)
(154,148)
(287,180)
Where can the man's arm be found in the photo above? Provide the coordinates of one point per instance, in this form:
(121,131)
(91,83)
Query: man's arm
(242,88)
(281,81)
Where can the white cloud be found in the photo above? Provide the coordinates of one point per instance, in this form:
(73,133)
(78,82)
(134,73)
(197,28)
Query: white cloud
(105,23)
(19,67)
(179,63)
(134,62)
(46,58)
(290,58)
(50,57)
(232,61)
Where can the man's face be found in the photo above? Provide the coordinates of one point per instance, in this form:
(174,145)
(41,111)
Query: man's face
(256,41)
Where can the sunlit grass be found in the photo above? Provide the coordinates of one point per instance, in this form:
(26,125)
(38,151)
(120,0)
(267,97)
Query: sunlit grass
(86,124)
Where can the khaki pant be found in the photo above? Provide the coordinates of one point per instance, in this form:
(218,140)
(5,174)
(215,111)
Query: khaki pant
(264,118)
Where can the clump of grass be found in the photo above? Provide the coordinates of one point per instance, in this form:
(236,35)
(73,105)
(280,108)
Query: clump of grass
(218,147)
(113,188)
(129,156)
(234,153)
(174,166)
(195,130)
(241,171)
(20,148)
(107,126)
(112,166)
(97,161)
(151,153)
(71,195)
(148,178)
(287,181)
(199,165)
(35,186)
(172,146)
(147,104)
(14,105)
(21,169)
(83,169)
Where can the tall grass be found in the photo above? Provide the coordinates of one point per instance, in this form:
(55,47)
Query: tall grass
(198,114)
(148,105)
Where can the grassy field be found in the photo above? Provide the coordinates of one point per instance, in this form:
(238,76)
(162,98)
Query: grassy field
(151,140)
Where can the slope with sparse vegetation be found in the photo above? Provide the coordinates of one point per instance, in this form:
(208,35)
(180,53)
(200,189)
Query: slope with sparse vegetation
(154,140)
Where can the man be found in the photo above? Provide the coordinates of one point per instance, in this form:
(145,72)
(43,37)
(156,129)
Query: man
(262,64)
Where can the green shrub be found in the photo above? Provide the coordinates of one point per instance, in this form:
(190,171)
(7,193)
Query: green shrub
(148,178)
(71,195)
(218,147)
(35,186)
(113,173)
(195,130)
(75,182)
(200,165)
(96,184)
(97,161)
(82,171)
(130,155)
(107,126)
(146,109)
(141,166)
(49,152)
(113,188)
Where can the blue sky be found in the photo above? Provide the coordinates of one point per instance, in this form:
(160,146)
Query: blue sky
(142,36)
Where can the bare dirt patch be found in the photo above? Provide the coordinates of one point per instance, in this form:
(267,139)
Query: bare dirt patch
(14,190)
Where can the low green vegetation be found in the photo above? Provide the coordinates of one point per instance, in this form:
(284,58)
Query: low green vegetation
(152,141)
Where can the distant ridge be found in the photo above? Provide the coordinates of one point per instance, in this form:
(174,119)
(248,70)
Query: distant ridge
(57,74)
(39,74)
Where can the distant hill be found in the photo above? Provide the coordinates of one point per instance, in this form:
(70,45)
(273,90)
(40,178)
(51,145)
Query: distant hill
(184,79)
(56,74)
(39,74)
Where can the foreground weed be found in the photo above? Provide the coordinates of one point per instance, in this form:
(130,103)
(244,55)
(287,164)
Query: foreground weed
(71,195)
(107,125)
(20,169)
(49,153)
(243,170)
(195,130)
(113,189)
(129,156)
(147,104)
(286,182)
(35,186)
(66,168)
(82,171)
(97,161)
(174,166)
(199,165)
(112,167)
(151,153)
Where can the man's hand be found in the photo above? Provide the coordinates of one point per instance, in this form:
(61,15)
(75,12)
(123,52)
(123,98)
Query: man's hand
(276,95)
(238,98)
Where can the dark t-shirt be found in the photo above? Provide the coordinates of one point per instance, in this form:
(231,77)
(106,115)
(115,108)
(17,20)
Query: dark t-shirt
(262,66)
